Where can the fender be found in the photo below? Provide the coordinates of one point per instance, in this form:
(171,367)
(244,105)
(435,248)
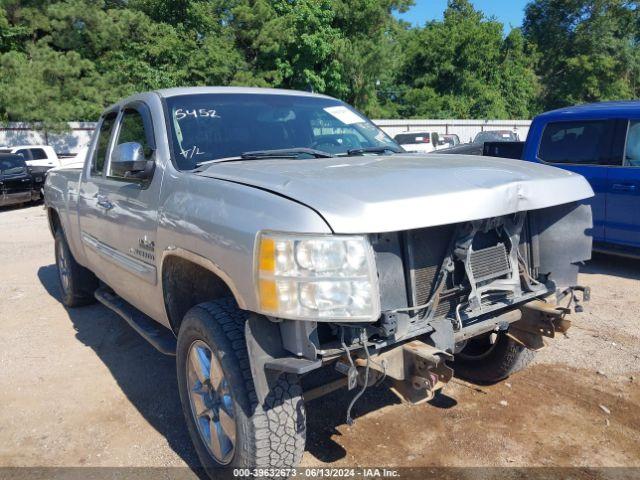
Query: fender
(206,264)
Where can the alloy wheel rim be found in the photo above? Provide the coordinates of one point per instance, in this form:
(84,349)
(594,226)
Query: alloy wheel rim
(211,402)
(63,269)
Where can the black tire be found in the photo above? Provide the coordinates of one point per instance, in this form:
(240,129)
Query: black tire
(39,199)
(267,436)
(484,363)
(78,290)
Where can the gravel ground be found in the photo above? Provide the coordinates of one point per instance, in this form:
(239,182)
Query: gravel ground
(80,388)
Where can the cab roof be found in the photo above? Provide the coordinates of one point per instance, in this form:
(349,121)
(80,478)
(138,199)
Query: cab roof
(173,92)
(612,109)
(178,91)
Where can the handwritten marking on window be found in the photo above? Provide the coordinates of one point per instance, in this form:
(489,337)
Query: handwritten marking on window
(181,113)
(191,152)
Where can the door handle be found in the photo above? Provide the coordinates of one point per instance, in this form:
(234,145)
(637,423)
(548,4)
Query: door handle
(625,187)
(104,202)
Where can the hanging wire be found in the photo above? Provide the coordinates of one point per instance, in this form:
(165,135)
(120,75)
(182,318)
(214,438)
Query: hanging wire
(344,346)
(363,338)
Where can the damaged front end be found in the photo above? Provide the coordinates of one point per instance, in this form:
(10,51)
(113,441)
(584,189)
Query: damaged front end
(441,288)
(505,274)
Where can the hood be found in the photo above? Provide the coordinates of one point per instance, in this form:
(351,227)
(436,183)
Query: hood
(372,194)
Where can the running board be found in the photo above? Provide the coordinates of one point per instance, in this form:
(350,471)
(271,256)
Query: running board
(160,337)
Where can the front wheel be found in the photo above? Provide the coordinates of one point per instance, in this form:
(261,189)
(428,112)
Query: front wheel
(228,427)
(492,357)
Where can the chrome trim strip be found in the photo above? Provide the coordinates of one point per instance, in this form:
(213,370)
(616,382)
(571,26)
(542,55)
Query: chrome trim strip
(134,266)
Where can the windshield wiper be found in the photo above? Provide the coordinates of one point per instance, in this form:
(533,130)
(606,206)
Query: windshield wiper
(380,149)
(285,153)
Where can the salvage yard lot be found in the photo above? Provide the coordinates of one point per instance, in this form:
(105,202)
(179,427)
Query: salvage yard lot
(80,388)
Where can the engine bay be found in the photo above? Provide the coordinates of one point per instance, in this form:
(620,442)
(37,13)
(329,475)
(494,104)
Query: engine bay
(452,277)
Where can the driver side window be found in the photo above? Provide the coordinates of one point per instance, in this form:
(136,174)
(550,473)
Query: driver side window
(132,131)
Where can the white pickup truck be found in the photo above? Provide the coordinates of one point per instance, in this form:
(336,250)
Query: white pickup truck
(42,156)
(263,235)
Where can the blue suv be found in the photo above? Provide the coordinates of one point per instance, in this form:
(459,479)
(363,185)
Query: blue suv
(600,141)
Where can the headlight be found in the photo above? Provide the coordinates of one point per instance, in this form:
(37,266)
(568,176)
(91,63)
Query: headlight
(317,277)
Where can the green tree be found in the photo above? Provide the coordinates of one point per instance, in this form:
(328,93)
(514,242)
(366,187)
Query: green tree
(345,48)
(44,85)
(588,49)
(67,60)
(463,67)
(519,85)
(287,43)
(77,56)
(369,53)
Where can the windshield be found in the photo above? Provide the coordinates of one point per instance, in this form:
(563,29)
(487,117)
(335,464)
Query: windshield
(11,165)
(207,127)
(496,136)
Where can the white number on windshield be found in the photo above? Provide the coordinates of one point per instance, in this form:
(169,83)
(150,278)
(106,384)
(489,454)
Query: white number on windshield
(182,113)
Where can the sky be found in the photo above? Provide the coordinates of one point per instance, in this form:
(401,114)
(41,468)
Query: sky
(509,12)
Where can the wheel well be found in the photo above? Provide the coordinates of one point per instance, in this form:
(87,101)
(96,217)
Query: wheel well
(54,220)
(186,284)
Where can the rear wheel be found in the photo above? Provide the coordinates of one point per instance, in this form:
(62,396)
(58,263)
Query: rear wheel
(227,425)
(77,284)
(491,358)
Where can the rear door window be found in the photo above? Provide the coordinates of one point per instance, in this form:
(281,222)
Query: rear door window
(38,154)
(576,142)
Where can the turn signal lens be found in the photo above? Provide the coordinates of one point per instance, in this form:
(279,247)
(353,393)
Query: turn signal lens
(268,295)
(267,255)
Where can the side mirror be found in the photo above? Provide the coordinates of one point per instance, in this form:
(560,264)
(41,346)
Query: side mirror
(129,161)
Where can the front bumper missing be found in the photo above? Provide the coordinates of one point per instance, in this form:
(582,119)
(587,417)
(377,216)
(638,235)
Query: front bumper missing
(539,319)
(417,370)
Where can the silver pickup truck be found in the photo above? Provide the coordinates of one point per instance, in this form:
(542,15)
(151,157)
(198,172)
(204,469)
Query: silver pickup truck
(263,236)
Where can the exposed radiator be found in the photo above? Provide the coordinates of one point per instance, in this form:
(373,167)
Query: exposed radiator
(425,250)
(489,263)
